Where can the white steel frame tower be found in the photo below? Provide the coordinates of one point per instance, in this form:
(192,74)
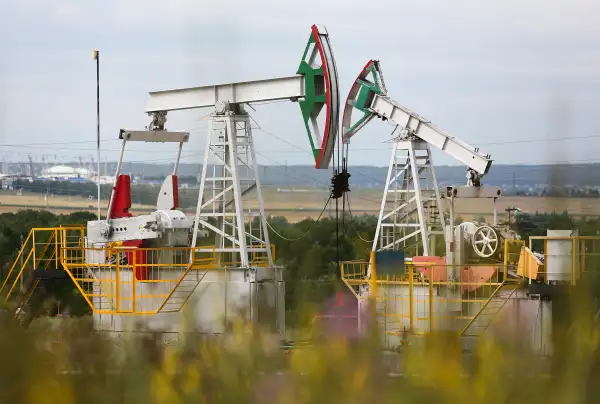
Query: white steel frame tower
(230,157)
(415,208)
(410,210)
(230,188)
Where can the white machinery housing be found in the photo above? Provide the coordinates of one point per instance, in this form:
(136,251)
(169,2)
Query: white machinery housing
(166,223)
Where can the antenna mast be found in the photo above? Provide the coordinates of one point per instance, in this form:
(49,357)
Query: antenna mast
(96,55)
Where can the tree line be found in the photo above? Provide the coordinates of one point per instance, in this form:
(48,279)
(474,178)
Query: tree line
(309,250)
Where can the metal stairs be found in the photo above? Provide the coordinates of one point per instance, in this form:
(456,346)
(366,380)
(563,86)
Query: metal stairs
(480,323)
(185,287)
(25,296)
(354,285)
(37,256)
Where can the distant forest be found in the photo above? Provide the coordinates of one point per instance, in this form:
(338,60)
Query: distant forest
(509,177)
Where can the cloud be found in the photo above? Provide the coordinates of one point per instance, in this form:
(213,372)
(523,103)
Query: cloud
(473,67)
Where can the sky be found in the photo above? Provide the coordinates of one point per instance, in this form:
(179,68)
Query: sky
(502,76)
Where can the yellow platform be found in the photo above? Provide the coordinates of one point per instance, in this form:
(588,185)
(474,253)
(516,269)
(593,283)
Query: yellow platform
(109,284)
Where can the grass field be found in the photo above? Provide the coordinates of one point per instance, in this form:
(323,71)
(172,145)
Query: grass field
(10,202)
(301,204)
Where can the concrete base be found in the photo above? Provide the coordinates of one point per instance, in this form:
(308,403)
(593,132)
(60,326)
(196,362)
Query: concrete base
(523,321)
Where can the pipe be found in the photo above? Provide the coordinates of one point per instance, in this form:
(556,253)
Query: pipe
(178,157)
(112,192)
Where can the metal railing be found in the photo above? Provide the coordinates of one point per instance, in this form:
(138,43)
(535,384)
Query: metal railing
(256,259)
(39,251)
(354,274)
(129,280)
(426,296)
(434,297)
(116,279)
(492,307)
(112,280)
(561,259)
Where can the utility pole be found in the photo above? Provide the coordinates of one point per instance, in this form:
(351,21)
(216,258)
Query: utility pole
(96,55)
(510,210)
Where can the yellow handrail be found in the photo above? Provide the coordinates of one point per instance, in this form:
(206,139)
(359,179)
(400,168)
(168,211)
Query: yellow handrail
(123,277)
(466,327)
(18,275)
(65,245)
(16,261)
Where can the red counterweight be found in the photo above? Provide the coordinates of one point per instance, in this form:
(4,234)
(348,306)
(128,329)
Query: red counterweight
(120,208)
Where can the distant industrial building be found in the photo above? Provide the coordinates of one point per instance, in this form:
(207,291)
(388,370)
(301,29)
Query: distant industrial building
(65,173)
(72,174)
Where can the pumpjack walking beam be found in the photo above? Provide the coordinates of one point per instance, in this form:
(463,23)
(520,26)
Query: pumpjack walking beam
(370,98)
(230,147)
(415,175)
(315,86)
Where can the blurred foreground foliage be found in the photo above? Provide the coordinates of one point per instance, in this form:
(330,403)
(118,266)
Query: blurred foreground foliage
(64,361)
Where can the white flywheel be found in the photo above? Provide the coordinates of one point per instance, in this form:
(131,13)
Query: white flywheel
(486,241)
